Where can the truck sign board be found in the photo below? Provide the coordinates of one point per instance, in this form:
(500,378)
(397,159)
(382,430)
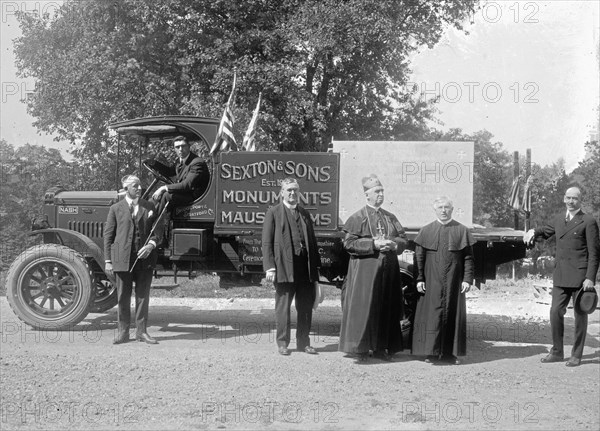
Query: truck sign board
(413,174)
(248,183)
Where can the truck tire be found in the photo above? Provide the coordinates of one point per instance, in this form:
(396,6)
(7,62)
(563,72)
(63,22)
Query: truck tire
(105,296)
(50,286)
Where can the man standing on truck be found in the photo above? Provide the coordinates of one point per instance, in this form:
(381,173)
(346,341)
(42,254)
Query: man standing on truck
(129,250)
(444,259)
(190,174)
(372,304)
(577,259)
(291,261)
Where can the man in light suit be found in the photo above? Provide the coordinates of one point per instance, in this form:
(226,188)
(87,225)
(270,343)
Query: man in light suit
(577,258)
(127,239)
(191,178)
(291,261)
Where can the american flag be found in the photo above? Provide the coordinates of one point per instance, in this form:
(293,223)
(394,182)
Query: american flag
(225,141)
(515,200)
(527,195)
(248,143)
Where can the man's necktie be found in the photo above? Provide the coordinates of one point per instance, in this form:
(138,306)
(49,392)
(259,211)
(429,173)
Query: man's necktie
(131,209)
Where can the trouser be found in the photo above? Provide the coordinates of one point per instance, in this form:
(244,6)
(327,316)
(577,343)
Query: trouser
(175,200)
(125,280)
(560,300)
(304,291)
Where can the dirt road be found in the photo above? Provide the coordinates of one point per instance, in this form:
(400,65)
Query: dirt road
(217,367)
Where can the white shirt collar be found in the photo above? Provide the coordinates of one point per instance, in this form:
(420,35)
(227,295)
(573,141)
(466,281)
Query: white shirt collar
(129,200)
(184,160)
(374,208)
(291,207)
(570,215)
(444,222)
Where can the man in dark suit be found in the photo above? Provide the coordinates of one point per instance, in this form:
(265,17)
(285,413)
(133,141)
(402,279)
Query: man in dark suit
(577,257)
(291,261)
(127,239)
(191,178)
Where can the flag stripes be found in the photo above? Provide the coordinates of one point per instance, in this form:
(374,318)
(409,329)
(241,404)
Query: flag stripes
(249,143)
(515,200)
(225,140)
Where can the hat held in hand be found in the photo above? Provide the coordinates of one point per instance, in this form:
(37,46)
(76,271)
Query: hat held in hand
(586,301)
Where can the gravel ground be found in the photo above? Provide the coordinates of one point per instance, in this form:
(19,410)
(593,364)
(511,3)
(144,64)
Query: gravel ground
(217,367)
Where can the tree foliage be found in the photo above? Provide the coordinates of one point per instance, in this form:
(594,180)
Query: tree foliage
(326,68)
(25,175)
(587,175)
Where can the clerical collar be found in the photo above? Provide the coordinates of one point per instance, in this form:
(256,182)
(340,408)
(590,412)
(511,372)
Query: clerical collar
(444,222)
(290,206)
(570,214)
(130,201)
(373,208)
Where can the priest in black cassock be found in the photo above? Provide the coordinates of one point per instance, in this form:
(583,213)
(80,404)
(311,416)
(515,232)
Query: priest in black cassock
(444,259)
(372,296)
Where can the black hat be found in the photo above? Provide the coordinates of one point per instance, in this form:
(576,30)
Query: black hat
(586,301)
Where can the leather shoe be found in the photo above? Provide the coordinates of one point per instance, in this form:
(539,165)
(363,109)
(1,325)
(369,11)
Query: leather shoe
(284,351)
(382,355)
(430,359)
(310,350)
(123,337)
(362,357)
(451,359)
(146,338)
(551,358)
(573,362)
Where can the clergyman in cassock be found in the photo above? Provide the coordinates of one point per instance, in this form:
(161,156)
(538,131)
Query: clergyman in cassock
(372,297)
(444,259)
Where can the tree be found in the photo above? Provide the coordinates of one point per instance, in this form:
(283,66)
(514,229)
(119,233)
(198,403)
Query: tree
(327,68)
(587,174)
(25,175)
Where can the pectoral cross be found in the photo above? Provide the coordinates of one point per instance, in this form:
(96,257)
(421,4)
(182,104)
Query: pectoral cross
(380,229)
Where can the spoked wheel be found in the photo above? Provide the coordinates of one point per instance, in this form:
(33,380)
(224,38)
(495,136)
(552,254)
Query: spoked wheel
(106,294)
(50,286)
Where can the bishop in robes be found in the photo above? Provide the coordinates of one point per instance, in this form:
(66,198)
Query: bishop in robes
(372,296)
(444,259)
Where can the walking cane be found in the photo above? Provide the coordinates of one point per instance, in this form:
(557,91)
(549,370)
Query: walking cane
(151,232)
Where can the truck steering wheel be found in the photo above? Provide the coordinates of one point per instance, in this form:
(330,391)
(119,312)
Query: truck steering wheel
(159,170)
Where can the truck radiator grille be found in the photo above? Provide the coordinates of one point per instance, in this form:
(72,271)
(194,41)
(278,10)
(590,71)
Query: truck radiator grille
(91,229)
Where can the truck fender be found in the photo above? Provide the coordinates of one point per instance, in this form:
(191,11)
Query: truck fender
(76,241)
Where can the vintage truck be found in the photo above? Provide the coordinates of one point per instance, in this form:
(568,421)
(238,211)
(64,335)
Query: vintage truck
(58,282)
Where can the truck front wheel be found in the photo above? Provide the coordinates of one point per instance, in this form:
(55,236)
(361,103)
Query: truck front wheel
(50,286)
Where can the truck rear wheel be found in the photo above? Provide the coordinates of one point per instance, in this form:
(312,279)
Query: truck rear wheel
(50,286)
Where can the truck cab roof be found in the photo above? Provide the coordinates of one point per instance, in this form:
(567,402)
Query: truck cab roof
(170,126)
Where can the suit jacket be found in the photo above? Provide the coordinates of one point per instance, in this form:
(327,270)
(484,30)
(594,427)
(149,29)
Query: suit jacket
(577,248)
(277,246)
(118,235)
(191,179)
